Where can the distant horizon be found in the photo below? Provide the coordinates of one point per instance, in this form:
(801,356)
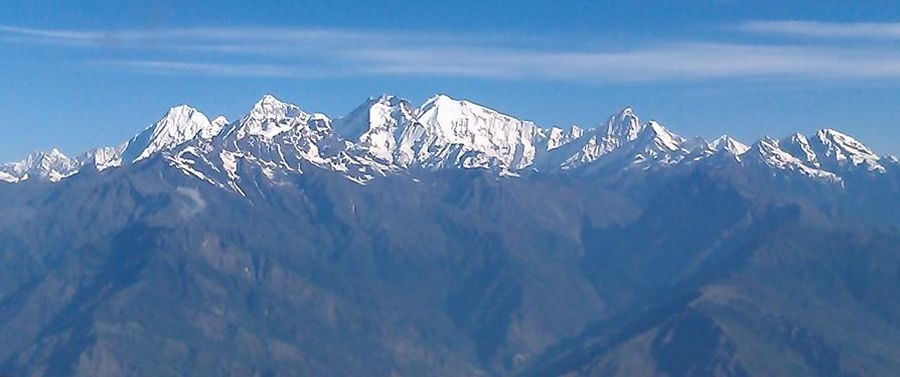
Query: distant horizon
(89,75)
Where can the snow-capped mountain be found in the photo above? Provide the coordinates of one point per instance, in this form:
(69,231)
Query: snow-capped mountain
(102,158)
(383,127)
(836,151)
(833,151)
(388,135)
(621,128)
(51,166)
(268,118)
(215,127)
(729,145)
(273,139)
(464,134)
(180,124)
(769,153)
(623,143)
(556,137)
(798,146)
(441,133)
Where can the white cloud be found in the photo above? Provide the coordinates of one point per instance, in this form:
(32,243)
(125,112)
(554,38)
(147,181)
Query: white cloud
(317,53)
(238,40)
(166,67)
(193,203)
(869,30)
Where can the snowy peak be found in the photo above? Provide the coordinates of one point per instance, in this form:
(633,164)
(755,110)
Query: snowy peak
(444,111)
(661,137)
(626,141)
(828,156)
(215,127)
(624,125)
(372,115)
(462,133)
(833,151)
(655,145)
(837,150)
(377,126)
(442,107)
(556,137)
(52,166)
(269,117)
(769,153)
(180,124)
(53,155)
(798,146)
(438,100)
(729,145)
(102,158)
(270,107)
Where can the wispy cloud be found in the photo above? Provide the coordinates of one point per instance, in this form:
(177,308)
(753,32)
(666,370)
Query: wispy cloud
(868,30)
(246,40)
(165,67)
(318,53)
(192,204)
(668,61)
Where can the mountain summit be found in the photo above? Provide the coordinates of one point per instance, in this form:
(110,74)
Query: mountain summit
(180,124)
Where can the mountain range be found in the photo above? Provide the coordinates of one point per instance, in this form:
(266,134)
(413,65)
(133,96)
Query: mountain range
(388,135)
(449,239)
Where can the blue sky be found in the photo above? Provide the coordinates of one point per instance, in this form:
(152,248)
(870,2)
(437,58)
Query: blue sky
(79,74)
